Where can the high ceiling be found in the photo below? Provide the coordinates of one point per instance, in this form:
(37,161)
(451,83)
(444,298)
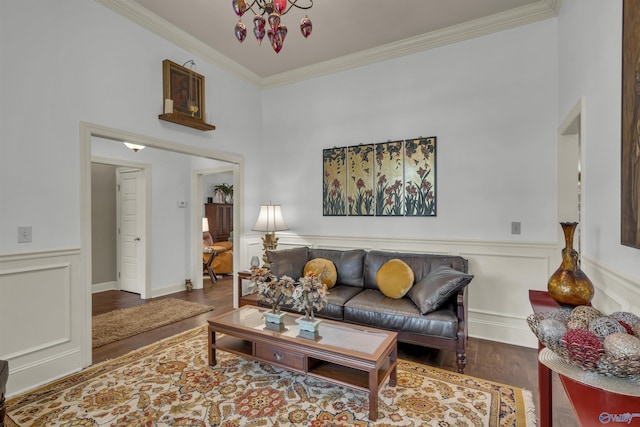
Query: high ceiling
(345,33)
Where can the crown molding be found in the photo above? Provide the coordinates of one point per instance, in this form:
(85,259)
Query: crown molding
(541,10)
(165,29)
(523,15)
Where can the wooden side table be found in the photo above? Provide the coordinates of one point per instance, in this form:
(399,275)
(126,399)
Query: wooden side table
(249,299)
(541,302)
(597,400)
(612,401)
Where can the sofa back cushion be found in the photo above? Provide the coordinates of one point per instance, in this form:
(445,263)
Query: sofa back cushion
(349,264)
(288,262)
(421,264)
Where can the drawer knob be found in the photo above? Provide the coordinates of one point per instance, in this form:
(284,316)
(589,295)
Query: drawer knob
(278,356)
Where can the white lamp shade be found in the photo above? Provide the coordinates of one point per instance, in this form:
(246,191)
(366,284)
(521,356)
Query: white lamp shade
(134,147)
(205,224)
(270,219)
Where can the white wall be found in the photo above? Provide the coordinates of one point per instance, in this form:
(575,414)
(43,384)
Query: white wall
(65,63)
(590,67)
(494,103)
(78,61)
(490,101)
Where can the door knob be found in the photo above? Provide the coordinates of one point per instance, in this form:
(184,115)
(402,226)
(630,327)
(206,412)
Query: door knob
(137,239)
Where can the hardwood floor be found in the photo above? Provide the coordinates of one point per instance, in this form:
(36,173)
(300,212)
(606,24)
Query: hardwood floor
(490,360)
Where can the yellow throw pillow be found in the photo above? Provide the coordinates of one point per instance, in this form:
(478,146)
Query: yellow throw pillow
(323,268)
(394,278)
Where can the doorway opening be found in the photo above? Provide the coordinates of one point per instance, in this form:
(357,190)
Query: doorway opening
(570,134)
(118,213)
(199,158)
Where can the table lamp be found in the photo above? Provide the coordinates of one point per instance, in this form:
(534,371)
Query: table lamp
(270,220)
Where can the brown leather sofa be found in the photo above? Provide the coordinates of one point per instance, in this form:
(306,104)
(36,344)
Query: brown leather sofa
(432,314)
(4,376)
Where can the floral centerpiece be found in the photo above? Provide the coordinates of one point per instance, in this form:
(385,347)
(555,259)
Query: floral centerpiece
(272,291)
(309,295)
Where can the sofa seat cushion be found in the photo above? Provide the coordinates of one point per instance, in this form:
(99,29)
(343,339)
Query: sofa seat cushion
(334,308)
(371,308)
(337,298)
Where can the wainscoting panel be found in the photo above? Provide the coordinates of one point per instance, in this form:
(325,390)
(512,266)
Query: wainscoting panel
(42,316)
(499,293)
(613,291)
(29,293)
(504,273)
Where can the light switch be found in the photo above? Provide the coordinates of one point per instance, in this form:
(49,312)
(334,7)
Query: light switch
(515,228)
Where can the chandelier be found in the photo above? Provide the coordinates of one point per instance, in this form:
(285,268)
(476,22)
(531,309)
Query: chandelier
(273,9)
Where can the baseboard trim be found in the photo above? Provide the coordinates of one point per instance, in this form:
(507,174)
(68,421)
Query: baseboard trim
(103,287)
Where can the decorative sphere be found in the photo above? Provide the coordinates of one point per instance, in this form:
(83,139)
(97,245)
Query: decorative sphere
(626,317)
(585,312)
(582,346)
(622,345)
(551,331)
(578,324)
(605,326)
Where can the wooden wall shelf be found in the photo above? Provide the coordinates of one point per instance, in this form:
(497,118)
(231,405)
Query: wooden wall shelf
(185,120)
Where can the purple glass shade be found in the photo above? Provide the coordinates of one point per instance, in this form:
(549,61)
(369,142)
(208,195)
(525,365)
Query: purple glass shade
(241,31)
(258,30)
(274,20)
(281,32)
(279,6)
(305,26)
(276,40)
(239,7)
(259,21)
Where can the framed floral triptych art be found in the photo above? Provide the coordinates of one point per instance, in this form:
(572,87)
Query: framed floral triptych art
(394,178)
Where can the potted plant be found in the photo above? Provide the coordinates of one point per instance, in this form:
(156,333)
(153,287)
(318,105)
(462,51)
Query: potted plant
(225,190)
(273,292)
(309,295)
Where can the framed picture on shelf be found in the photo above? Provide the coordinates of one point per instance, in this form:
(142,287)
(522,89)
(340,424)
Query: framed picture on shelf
(185,87)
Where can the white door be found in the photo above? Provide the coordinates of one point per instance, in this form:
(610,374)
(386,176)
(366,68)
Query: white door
(131,238)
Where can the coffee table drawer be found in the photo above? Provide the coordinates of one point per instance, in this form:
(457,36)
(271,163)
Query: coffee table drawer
(282,357)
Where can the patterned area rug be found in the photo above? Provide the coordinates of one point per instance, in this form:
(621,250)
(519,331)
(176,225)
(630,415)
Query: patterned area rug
(170,384)
(118,324)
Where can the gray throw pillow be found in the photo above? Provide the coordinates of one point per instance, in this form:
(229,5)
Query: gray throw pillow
(435,289)
(288,262)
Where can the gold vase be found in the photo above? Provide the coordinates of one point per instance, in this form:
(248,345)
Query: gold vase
(569,285)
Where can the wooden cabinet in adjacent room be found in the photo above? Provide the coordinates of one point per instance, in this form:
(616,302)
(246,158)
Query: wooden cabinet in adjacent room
(220,216)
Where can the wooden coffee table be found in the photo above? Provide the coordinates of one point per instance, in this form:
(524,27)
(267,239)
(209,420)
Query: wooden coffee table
(358,357)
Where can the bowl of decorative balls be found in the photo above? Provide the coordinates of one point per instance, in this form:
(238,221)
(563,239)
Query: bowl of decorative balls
(585,337)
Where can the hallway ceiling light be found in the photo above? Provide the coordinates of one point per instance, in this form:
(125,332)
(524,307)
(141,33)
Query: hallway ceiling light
(134,147)
(274,9)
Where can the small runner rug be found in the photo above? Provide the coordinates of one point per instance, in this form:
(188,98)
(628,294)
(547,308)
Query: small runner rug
(119,324)
(170,384)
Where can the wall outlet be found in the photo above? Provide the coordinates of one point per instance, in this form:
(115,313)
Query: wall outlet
(24,234)
(515,228)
